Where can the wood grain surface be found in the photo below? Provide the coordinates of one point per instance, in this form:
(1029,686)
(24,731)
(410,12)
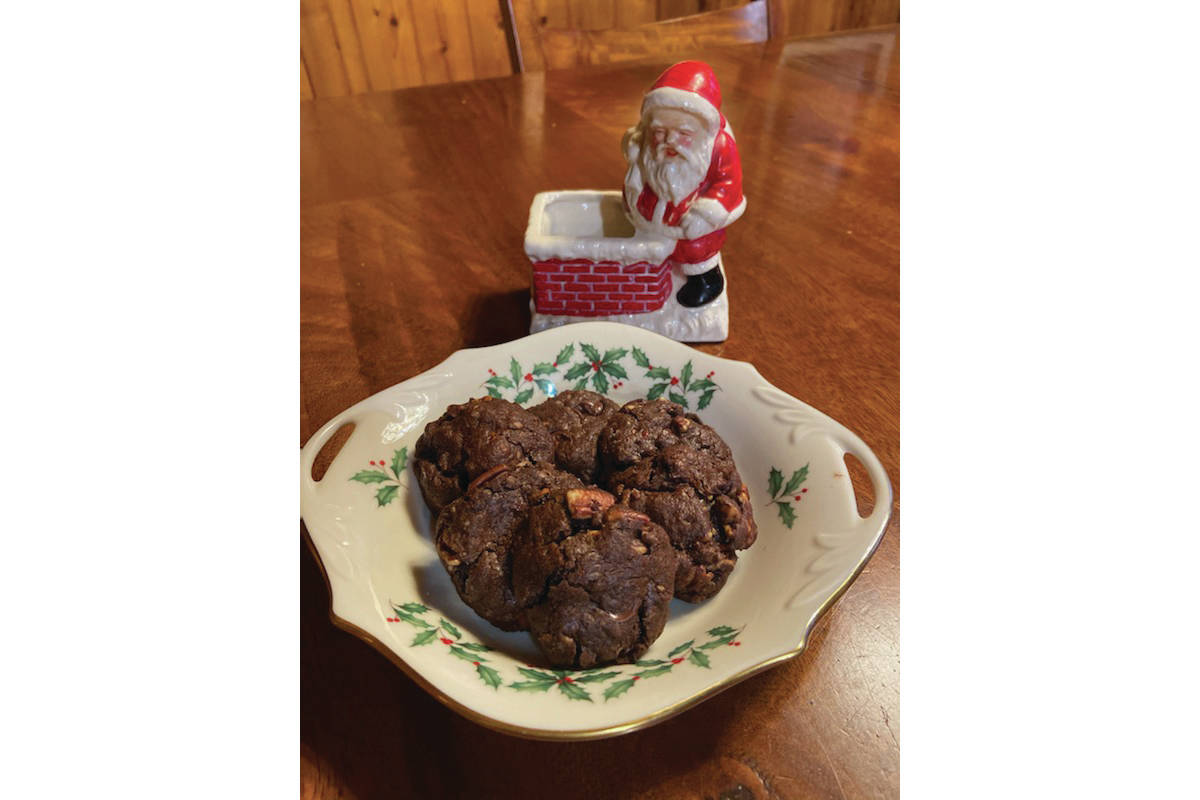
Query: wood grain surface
(413,210)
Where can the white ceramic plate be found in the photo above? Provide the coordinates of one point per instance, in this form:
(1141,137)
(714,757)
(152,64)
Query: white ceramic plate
(371,533)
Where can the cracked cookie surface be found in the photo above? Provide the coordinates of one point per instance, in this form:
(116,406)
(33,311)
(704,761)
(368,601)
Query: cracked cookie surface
(575,419)
(472,438)
(596,578)
(659,460)
(474,534)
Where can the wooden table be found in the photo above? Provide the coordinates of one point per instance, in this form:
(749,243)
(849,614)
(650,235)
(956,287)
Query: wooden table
(413,212)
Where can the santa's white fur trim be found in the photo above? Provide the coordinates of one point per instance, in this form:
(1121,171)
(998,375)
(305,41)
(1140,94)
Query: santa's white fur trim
(700,267)
(668,97)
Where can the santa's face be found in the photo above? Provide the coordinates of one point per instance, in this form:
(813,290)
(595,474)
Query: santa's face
(675,151)
(673,132)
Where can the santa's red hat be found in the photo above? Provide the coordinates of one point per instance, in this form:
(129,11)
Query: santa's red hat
(688,86)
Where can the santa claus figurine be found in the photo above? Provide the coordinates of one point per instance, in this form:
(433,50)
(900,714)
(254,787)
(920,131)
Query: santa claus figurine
(685,178)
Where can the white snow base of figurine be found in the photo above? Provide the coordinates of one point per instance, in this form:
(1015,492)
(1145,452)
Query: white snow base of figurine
(708,323)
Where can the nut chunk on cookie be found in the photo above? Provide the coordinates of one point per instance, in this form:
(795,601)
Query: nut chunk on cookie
(596,578)
(472,438)
(659,460)
(474,533)
(575,419)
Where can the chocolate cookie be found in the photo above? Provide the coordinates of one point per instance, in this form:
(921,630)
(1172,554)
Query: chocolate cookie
(474,533)
(575,419)
(666,463)
(470,439)
(596,578)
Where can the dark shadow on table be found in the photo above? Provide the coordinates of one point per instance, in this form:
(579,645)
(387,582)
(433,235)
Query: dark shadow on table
(497,318)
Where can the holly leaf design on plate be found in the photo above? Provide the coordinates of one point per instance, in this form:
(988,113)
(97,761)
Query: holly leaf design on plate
(501,381)
(659,374)
(616,354)
(726,639)
(786,513)
(685,376)
(721,630)
(592,353)
(578,370)
(458,652)
(416,622)
(475,646)
(596,677)
(616,370)
(574,692)
(656,391)
(523,397)
(619,688)
(676,397)
(654,672)
(640,359)
(600,382)
(699,659)
(543,368)
(681,648)
(531,686)
(565,354)
(705,399)
(450,629)
(651,663)
(798,477)
(514,369)
(399,461)
(492,391)
(775,482)
(701,385)
(424,637)
(546,386)
(488,676)
(386,494)
(370,476)
(412,608)
(581,384)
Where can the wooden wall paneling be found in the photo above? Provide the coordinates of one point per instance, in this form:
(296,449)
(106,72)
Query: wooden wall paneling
(593,15)
(388,42)
(631,13)
(489,41)
(443,40)
(330,47)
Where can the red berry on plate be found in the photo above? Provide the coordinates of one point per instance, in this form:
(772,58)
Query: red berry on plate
(635,677)
(528,376)
(447,641)
(804,490)
(676,660)
(596,366)
(737,644)
(674,381)
(476,663)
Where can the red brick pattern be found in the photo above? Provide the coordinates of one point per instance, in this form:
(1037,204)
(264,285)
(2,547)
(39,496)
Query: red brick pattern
(585,288)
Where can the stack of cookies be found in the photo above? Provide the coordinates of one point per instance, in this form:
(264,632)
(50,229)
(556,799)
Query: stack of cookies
(578,520)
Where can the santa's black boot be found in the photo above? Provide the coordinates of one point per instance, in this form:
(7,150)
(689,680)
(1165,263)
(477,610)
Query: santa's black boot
(701,289)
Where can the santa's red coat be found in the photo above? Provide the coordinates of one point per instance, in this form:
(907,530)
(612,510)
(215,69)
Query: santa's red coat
(722,183)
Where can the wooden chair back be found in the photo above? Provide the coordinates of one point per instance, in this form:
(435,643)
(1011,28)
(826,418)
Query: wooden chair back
(542,43)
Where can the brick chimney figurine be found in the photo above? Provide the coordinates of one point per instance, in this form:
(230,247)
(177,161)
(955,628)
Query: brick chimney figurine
(650,255)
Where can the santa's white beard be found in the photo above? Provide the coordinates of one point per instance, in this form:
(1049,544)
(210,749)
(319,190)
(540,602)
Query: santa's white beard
(673,177)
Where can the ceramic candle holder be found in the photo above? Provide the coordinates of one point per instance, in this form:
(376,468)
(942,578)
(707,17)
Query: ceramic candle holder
(648,255)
